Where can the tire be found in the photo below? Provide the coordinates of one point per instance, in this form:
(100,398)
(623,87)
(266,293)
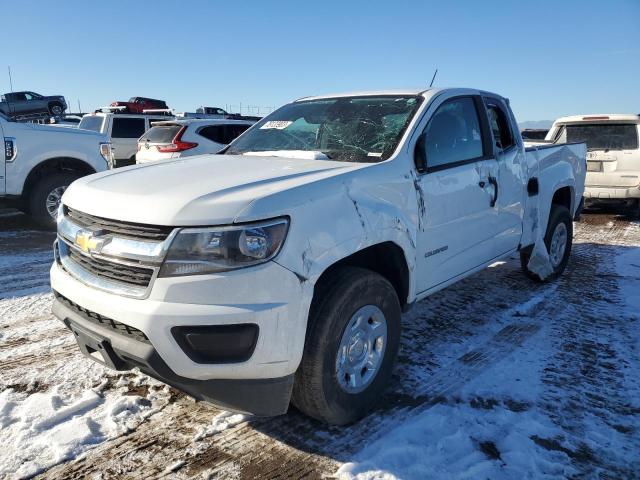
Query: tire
(559,215)
(317,391)
(48,189)
(56,109)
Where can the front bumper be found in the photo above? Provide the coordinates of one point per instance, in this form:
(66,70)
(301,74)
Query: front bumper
(268,296)
(263,397)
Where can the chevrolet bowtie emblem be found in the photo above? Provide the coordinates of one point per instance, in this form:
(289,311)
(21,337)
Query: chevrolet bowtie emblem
(87,242)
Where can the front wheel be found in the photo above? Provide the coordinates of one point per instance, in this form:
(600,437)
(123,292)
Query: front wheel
(56,109)
(45,197)
(351,345)
(558,240)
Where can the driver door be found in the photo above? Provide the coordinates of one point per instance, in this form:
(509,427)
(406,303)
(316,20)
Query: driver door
(458,192)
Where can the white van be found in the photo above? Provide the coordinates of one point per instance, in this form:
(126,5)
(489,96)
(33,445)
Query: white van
(123,129)
(613,157)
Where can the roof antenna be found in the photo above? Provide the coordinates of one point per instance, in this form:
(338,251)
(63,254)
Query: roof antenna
(433,78)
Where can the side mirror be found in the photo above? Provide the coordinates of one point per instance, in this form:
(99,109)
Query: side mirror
(420,154)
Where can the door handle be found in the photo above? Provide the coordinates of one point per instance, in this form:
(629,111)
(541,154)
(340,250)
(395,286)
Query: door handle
(493,181)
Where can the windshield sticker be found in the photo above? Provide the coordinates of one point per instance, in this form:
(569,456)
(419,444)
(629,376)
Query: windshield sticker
(277,124)
(374,154)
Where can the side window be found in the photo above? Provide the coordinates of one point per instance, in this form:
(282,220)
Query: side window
(127,127)
(499,123)
(215,133)
(235,131)
(453,134)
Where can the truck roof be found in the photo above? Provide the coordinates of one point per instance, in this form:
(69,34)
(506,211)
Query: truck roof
(399,92)
(599,118)
(365,93)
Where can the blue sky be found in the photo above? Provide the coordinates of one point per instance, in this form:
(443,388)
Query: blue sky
(551,58)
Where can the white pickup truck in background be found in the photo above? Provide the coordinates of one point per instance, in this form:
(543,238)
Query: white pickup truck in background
(40,161)
(123,131)
(277,271)
(613,158)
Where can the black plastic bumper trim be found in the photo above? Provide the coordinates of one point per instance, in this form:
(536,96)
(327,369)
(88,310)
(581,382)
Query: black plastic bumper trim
(260,397)
(211,344)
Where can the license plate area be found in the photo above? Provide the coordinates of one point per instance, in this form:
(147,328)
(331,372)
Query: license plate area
(96,348)
(594,166)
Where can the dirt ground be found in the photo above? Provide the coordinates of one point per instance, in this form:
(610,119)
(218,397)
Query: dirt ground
(589,384)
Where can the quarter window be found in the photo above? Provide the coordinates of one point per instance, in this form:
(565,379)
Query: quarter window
(127,127)
(453,134)
(499,126)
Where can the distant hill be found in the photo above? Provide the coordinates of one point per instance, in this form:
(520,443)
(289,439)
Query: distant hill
(535,124)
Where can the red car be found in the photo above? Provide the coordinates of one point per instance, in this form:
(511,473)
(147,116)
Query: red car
(138,104)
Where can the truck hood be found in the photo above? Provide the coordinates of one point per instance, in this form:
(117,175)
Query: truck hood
(199,190)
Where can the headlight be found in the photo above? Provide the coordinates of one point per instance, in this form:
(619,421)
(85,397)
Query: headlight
(196,251)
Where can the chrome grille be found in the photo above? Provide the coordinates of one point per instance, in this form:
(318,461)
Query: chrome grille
(119,228)
(132,275)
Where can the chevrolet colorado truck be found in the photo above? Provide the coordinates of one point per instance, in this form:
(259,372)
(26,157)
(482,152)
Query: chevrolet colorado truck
(277,271)
(40,161)
(613,155)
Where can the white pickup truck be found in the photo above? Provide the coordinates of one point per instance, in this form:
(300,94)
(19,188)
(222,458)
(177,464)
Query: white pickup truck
(40,161)
(613,156)
(278,270)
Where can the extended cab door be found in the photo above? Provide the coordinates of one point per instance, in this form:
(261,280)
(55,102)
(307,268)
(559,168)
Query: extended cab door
(458,218)
(510,173)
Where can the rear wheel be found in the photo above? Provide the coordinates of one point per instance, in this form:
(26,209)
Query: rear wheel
(558,240)
(351,345)
(45,197)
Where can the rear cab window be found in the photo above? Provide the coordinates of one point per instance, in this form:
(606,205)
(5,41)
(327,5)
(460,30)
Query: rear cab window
(499,124)
(124,127)
(600,136)
(92,122)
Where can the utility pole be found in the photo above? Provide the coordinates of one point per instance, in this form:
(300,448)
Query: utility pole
(10,81)
(433,78)
(79,109)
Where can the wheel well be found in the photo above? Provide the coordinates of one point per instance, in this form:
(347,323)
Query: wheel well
(55,165)
(563,196)
(386,259)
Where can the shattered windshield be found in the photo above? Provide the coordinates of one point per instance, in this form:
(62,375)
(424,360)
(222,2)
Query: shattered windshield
(347,129)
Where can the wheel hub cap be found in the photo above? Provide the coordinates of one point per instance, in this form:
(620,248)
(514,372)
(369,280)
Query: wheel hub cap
(53,201)
(558,244)
(361,349)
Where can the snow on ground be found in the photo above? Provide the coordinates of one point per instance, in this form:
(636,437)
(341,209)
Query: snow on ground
(54,412)
(498,377)
(499,425)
